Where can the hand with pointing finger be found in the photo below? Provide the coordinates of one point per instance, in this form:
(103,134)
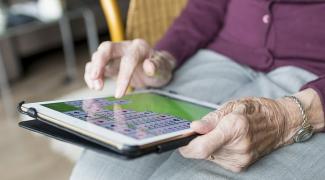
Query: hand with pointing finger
(132,63)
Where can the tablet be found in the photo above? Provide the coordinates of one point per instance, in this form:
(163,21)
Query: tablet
(131,125)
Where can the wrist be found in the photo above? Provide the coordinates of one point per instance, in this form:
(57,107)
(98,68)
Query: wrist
(313,107)
(293,116)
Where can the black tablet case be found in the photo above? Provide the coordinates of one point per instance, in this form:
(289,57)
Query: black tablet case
(66,135)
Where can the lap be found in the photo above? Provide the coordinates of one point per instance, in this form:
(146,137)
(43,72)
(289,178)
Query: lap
(215,78)
(93,165)
(297,161)
(211,77)
(277,83)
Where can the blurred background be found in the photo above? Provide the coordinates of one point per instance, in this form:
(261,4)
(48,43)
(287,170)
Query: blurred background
(44,45)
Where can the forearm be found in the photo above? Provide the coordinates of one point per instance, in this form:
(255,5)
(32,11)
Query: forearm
(313,107)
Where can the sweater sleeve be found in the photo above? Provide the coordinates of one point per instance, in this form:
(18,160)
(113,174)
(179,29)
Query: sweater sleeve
(319,86)
(197,25)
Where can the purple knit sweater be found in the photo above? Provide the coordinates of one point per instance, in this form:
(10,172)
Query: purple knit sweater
(263,34)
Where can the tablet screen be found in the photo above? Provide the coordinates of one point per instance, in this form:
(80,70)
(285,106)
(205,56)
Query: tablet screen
(139,116)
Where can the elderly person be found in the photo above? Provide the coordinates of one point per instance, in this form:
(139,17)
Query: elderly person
(248,55)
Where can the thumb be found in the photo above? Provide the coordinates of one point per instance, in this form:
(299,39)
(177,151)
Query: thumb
(159,64)
(149,67)
(207,123)
(157,70)
(202,126)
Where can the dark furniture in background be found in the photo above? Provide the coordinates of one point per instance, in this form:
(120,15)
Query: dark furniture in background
(35,37)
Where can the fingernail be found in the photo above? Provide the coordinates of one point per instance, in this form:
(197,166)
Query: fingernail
(197,124)
(150,69)
(201,127)
(118,94)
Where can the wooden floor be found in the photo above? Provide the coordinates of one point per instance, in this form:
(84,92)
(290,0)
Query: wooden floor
(24,155)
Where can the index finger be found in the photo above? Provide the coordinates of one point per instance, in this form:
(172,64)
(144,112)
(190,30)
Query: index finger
(135,54)
(204,145)
(127,67)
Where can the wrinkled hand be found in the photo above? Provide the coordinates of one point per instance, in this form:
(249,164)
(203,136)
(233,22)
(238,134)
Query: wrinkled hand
(131,62)
(241,132)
